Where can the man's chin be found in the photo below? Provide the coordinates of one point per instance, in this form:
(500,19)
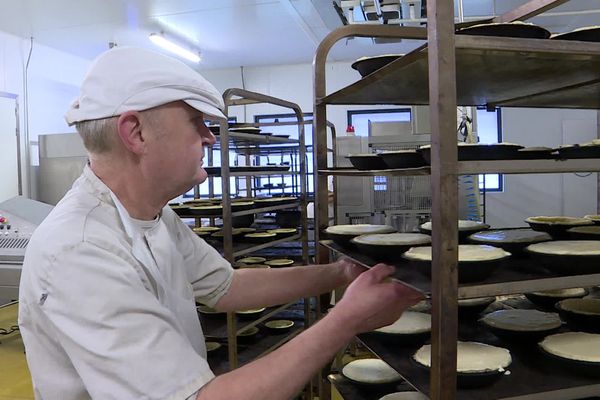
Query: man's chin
(202,176)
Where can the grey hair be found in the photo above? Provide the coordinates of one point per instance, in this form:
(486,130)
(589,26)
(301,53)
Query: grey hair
(98,135)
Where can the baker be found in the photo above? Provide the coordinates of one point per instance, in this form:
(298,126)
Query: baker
(111,277)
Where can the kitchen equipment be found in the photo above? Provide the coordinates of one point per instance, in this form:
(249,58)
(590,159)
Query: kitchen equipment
(21,216)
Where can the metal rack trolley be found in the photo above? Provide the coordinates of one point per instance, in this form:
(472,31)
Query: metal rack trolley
(247,145)
(466,70)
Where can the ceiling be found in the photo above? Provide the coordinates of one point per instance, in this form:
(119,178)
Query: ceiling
(229,33)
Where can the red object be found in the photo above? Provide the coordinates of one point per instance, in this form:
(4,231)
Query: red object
(350,130)
(2,220)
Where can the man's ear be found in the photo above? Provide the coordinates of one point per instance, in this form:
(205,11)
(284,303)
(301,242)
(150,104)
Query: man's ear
(129,131)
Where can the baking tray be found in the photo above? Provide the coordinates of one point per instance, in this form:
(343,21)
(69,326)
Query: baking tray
(587,34)
(508,29)
(475,152)
(367,65)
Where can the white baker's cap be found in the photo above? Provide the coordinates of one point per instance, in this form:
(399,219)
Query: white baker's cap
(133,79)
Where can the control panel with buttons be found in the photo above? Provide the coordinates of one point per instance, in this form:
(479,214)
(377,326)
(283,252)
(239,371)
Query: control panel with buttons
(15,227)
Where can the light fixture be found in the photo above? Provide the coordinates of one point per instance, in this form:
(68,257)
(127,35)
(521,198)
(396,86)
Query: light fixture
(166,44)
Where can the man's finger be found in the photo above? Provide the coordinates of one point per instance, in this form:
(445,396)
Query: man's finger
(381,271)
(410,291)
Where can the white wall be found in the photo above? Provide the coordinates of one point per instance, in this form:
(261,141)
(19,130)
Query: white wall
(53,81)
(288,82)
(544,194)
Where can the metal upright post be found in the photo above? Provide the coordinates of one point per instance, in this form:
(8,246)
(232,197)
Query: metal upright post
(442,100)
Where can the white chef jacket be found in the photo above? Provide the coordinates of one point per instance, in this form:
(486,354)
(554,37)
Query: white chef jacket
(92,316)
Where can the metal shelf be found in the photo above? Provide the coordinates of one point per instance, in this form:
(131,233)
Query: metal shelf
(484,167)
(240,249)
(529,166)
(454,70)
(256,173)
(263,151)
(244,212)
(240,138)
(266,209)
(216,329)
(533,375)
(255,247)
(377,172)
(216,326)
(513,277)
(491,71)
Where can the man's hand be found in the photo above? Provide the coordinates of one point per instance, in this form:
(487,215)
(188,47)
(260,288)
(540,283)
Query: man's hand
(373,300)
(350,269)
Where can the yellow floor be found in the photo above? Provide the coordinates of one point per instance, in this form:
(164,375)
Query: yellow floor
(15,381)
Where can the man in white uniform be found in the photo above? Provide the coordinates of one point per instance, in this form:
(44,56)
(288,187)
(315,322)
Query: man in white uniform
(107,292)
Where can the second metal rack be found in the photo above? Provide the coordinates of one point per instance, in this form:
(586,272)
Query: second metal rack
(247,144)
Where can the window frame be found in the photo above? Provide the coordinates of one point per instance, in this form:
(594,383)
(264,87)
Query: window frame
(500,187)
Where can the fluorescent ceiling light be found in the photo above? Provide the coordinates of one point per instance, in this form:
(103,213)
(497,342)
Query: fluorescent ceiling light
(166,44)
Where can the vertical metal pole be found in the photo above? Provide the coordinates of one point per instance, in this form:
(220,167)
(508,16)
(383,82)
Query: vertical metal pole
(597,174)
(19,166)
(321,196)
(442,99)
(227,231)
